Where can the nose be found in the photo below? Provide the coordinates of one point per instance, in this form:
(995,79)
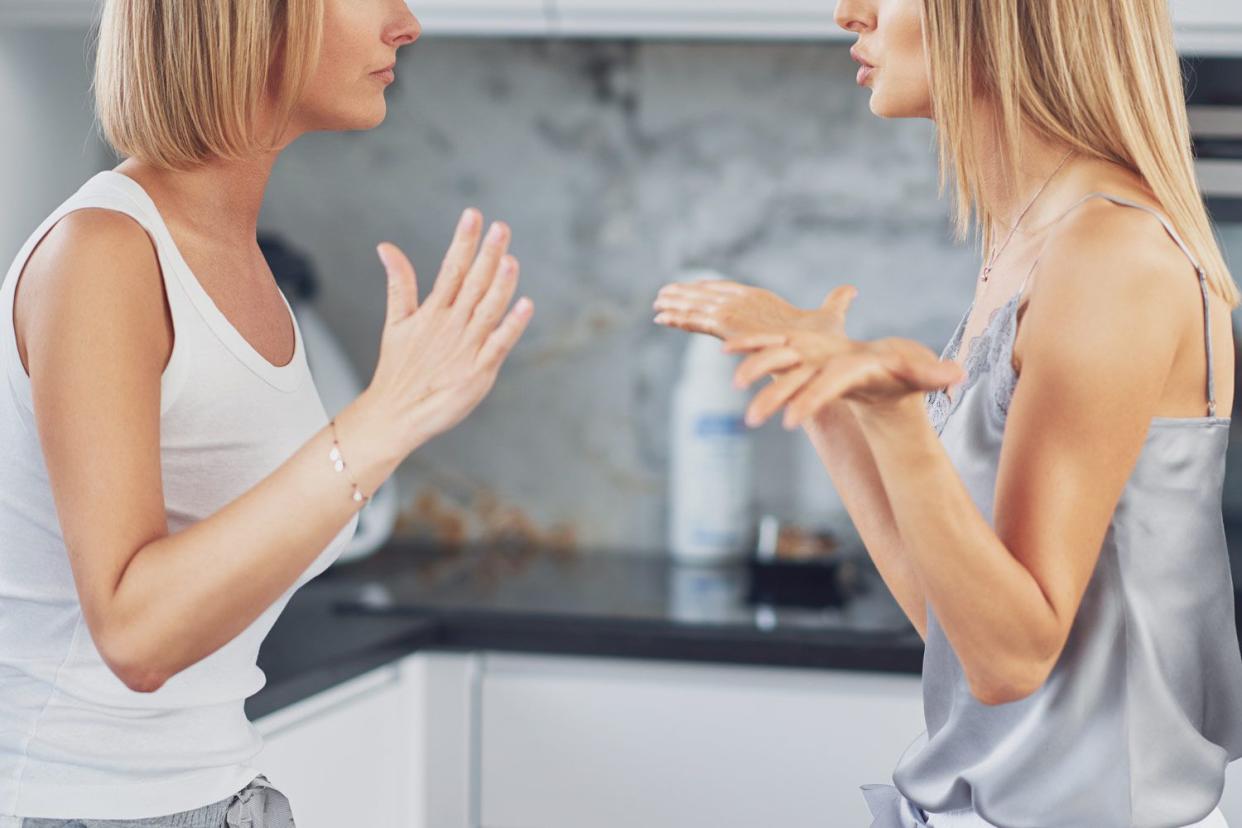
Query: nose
(403,28)
(854,16)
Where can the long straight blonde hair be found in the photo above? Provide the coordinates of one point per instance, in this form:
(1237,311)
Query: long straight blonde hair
(178,82)
(1100,76)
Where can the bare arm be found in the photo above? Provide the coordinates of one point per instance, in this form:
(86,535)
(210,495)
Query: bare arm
(842,447)
(727,310)
(1076,426)
(157,603)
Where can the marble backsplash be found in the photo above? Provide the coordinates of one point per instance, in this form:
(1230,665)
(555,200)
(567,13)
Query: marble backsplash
(619,165)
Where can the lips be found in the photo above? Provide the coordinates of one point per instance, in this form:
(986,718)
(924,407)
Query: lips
(387,74)
(865,68)
(857,56)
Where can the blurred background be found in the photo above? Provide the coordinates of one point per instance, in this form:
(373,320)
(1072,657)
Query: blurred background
(628,143)
(620,163)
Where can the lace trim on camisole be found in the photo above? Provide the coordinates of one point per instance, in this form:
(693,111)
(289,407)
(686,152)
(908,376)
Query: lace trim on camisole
(994,344)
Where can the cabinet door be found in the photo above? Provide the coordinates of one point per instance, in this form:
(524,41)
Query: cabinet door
(350,755)
(600,743)
(701,18)
(482,17)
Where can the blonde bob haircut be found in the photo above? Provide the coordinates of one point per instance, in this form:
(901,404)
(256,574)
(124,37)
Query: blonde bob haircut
(179,82)
(1100,76)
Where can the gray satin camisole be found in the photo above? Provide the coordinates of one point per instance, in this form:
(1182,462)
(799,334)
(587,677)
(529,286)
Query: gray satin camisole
(1143,710)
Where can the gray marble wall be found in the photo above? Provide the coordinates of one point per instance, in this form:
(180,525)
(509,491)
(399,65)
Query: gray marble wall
(618,165)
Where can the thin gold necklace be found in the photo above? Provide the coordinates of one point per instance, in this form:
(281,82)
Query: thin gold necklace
(991,262)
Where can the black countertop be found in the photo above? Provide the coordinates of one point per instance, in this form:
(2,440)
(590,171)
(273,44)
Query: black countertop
(408,596)
(312,647)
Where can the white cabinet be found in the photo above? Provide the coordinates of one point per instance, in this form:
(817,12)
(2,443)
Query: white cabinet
(482,17)
(1207,13)
(601,743)
(352,754)
(1208,26)
(449,17)
(812,19)
(1203,26)
(481,740)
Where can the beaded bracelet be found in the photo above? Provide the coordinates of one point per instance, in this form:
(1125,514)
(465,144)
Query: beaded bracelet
(339,464)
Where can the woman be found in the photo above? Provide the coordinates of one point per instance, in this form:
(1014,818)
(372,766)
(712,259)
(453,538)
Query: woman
(1057,541)
(171,476)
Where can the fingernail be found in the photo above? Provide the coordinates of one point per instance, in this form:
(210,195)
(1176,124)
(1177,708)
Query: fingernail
(467,219)
(383,255)
(494,234)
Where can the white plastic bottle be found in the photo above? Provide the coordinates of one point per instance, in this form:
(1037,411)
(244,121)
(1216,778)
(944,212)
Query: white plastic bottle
(711,485)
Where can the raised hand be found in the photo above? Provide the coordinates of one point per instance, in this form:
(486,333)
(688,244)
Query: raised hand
(815,369)
(437,361)
(727,309)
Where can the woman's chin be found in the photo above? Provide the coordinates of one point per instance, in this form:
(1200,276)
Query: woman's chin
(884,107)
(376,115)
(366,119)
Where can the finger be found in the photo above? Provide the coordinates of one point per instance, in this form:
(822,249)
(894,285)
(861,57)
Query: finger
(456,261)
(775,393)
(501,340)
(929,375)
(678,299)
(483,272)
(726,287)
(837,377)
(841,295)
(754,342)
(765,362)
(488,312)
(683,302)
(684,287)
(402,283)
(692,322)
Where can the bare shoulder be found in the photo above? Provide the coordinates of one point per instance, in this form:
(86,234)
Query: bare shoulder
(103,239)
(1124,248)
(1111,268)
(94,267)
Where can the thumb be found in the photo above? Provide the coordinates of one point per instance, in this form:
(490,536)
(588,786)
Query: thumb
(950,372)
(844,294)
(402,283)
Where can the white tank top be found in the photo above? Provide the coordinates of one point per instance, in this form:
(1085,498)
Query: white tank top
(74,740)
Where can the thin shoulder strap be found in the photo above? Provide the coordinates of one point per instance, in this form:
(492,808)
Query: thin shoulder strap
(1168,227)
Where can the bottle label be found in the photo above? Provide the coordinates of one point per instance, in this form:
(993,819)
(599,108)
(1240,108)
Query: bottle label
(712,485)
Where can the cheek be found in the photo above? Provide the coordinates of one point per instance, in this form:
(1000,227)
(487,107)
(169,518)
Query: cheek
(905,87)
(339,90)
(339,96)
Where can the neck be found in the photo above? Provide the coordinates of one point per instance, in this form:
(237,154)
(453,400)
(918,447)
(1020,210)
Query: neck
(219,200)
(1007,195)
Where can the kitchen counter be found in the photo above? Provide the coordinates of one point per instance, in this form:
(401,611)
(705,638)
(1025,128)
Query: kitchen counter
(312,647)
(410,596)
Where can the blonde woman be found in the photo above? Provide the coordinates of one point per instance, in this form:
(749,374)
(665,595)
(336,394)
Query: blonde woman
(1044,503)
(170,474)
